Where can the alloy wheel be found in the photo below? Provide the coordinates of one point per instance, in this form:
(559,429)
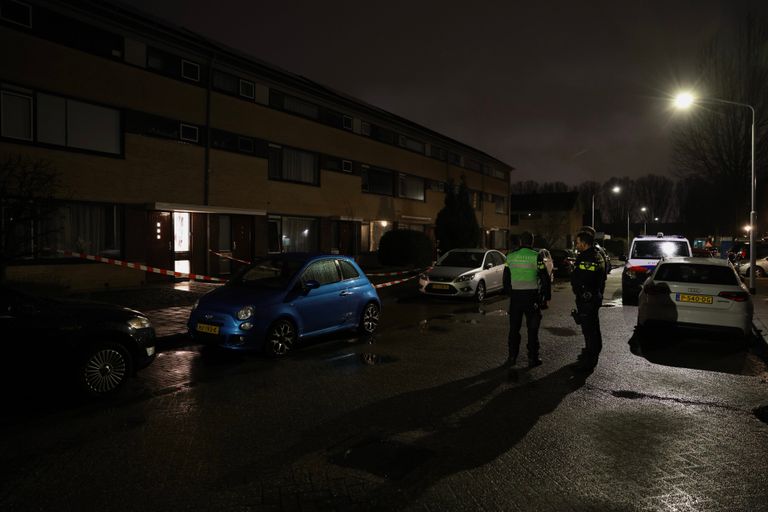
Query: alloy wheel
(105,370)
(281,338)
(370,321)
(480,291)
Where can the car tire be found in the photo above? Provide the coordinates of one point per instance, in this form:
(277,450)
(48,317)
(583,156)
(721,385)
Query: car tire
(759,272)
(369,319)
(280,339)
(480,291)
(104,368)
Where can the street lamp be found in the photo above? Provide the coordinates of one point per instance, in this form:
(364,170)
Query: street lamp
(645,220)
(685,100)
(616,189)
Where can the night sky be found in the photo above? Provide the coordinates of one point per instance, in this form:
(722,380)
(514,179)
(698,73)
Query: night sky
(568,91)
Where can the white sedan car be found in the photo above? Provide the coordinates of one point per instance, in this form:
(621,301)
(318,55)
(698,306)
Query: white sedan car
(695,292)
(761,267)
(465,273)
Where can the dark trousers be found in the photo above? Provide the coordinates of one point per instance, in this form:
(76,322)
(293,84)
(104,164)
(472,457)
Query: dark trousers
(590,327)
(524,303)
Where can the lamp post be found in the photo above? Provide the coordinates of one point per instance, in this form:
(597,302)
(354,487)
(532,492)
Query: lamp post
(616,189)
(686,100)
(645,220)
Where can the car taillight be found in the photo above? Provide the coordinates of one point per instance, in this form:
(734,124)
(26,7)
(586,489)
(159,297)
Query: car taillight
(633,272)
(734,296)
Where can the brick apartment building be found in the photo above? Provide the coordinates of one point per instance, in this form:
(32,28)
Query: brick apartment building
(172,148)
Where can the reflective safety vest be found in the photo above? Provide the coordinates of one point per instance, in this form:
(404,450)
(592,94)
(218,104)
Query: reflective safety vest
(523,269)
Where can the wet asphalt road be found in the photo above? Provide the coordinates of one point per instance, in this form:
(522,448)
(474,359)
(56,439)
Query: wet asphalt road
(423,416)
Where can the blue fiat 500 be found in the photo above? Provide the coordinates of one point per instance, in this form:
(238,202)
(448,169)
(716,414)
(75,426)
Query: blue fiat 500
(279,300)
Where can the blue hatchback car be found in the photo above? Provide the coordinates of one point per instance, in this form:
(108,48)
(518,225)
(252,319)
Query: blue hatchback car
(281,299)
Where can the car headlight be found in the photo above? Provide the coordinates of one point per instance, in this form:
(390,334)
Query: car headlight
(245,313)
(465,277)
(139,322)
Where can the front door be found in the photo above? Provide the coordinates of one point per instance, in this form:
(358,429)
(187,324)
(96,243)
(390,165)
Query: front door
(242,236)
(160,244)
(182,241)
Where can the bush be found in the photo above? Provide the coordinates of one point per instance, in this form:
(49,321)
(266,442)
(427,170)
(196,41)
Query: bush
(405,247)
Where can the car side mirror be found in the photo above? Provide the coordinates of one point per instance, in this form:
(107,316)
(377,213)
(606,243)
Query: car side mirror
(489,265)
(310,285)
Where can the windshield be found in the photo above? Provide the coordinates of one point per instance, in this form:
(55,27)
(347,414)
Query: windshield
(698,274)
(461,259)
(276,272)
(657,249)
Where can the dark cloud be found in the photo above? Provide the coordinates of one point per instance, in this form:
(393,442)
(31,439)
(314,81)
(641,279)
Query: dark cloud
(560,90)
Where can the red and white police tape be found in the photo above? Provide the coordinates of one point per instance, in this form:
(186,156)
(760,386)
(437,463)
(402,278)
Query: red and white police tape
(139,266)
(388,274)
(228,257)
(199,277)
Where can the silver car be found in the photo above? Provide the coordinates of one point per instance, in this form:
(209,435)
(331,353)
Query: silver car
(465,273)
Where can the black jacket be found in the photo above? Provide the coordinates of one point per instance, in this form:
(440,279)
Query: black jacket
(588,278)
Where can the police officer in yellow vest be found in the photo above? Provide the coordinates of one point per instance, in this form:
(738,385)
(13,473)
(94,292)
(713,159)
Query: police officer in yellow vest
(527,283)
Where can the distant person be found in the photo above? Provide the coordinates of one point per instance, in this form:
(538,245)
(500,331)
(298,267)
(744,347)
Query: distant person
(528,285)
(588,284)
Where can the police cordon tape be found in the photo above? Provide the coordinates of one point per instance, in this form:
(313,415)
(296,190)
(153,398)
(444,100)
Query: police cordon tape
(139,266)
(185,275)
(228,257)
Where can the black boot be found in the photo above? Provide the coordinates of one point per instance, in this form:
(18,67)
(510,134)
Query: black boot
(534,361)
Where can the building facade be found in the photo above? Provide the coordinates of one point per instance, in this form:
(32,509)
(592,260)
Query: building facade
(553,218)
(178,152)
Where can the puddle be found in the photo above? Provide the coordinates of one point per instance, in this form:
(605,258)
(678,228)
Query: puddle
(386,458)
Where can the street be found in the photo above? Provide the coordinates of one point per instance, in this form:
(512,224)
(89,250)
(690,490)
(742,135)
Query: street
(423,416)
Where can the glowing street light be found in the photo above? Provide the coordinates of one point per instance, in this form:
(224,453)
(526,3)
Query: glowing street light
(685,100)
(616,190)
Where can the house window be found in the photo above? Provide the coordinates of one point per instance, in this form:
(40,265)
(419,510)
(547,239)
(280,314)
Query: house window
(347,122)
(365,128)
(190,70)
(273,234)
(225,82)
(473,164)
(16,12)
(476,199)
(84,227)
(501,204)
(293,165)
(411,187)
(247,89)
(346,166)
(188,133)
(16,115)
(93,127)
(298,234)
(245,144)
(301,107)
(413,145)
(378,181)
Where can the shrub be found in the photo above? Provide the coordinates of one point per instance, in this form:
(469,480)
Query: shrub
(405,247)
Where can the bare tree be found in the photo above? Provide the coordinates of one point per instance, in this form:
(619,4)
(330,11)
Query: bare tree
(712,148)
(27,189)
(655,193)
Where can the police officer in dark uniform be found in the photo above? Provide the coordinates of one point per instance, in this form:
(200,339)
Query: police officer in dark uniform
(588,284)
(527,283)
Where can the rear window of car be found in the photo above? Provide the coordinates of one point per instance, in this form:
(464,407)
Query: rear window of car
(462,259)
(696,274)
(657,249)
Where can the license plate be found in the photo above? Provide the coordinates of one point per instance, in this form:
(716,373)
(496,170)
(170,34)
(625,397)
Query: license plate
(695,299)
(209,329)
(440,286)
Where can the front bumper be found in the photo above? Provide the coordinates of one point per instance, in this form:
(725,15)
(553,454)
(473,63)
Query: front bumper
(448,289)
(228,333)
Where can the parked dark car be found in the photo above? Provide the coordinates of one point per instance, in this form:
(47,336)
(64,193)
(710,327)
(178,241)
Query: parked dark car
(277,301)
(93,346)
(563,260)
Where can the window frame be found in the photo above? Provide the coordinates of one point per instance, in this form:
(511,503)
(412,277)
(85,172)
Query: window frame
(32,114)
(183,125)
(23,4)
(253,89)
(196,66)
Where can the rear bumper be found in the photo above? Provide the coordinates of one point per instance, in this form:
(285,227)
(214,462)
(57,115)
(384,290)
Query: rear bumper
(707,320)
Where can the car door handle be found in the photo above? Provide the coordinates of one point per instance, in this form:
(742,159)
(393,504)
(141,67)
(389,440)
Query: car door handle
(344,293)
